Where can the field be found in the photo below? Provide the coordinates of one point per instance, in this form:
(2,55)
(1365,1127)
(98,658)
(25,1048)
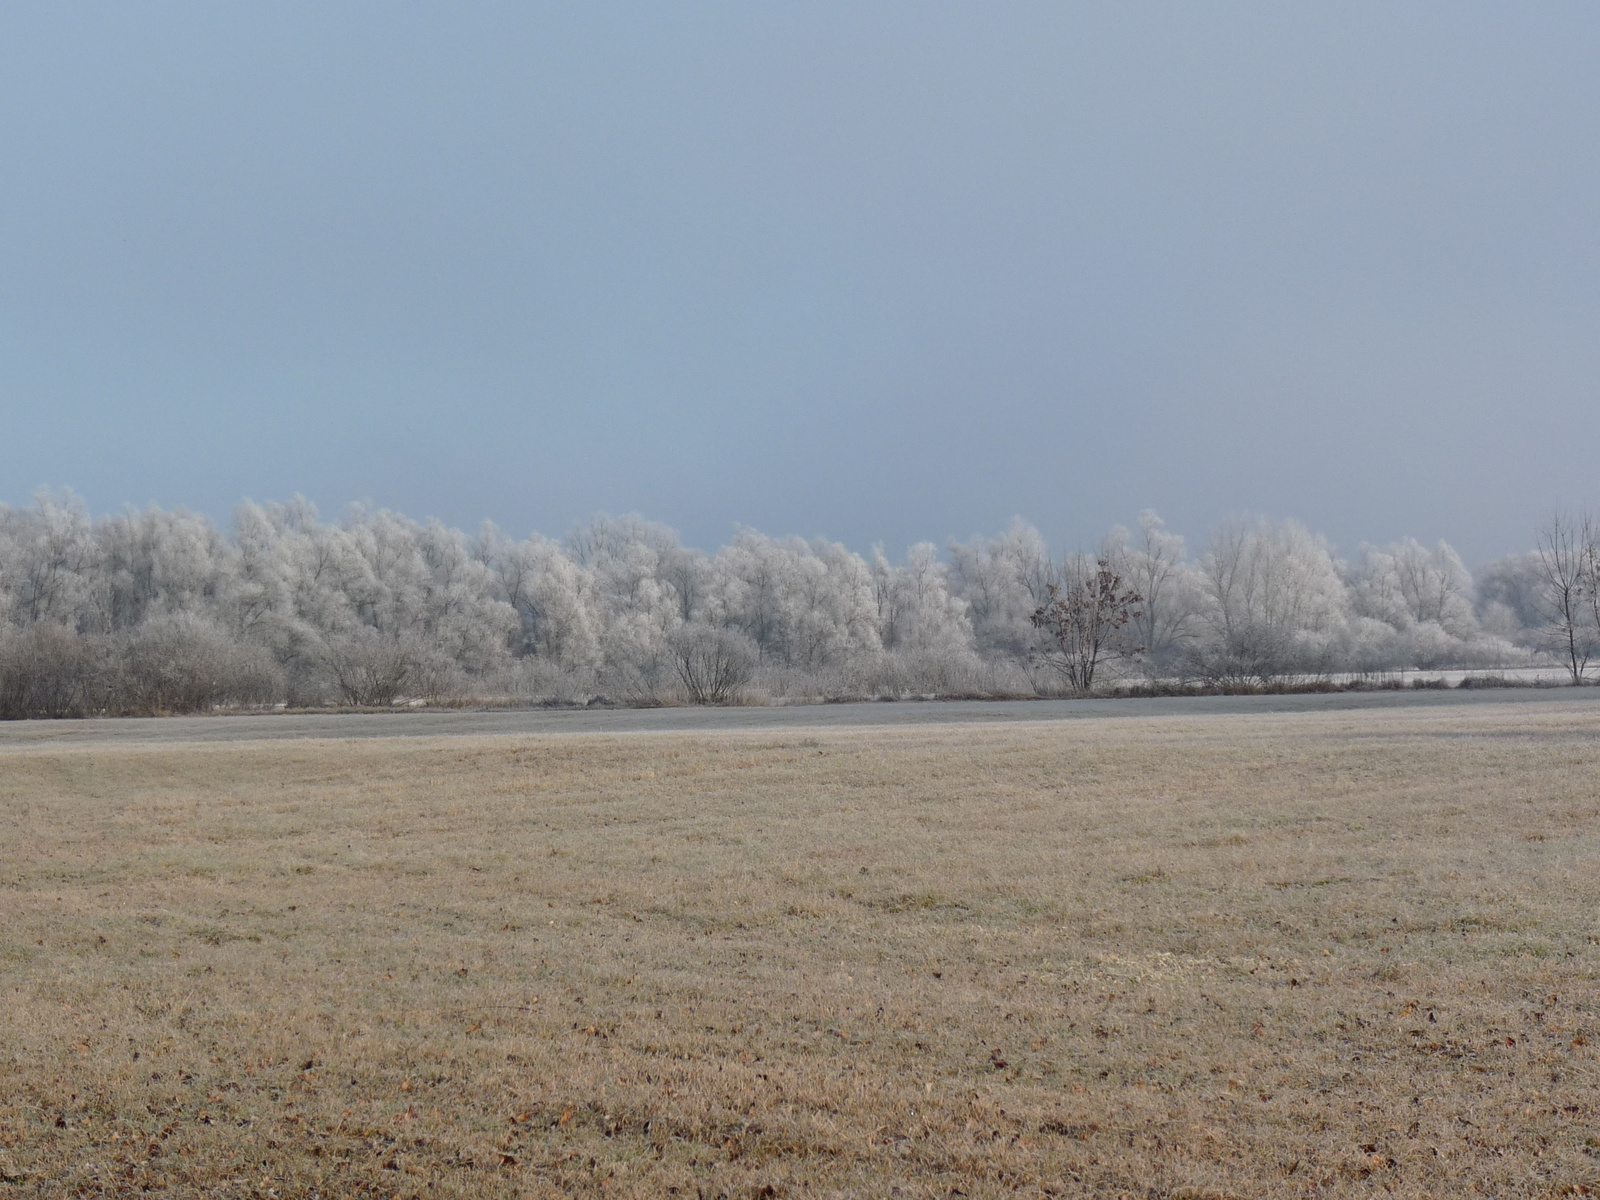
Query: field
(1315,954)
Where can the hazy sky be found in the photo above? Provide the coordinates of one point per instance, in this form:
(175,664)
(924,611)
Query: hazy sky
(884,271)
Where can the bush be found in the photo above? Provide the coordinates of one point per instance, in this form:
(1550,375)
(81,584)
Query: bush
(540,680)
(46,671)
(371,668)
(183,663)
(714,665)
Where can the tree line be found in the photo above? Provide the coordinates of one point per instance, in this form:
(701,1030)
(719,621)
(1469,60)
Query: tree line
(162,611)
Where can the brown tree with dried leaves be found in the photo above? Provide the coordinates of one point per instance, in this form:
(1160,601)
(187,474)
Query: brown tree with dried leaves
(1086,622)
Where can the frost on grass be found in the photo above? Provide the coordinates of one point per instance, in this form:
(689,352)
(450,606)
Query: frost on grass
(1319,955)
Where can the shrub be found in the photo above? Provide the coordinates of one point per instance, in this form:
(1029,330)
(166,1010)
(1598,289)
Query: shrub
(45,671)
(714,665)
(371,668)
(184,663)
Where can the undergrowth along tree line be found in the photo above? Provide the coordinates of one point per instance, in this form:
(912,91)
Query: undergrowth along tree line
(155,611)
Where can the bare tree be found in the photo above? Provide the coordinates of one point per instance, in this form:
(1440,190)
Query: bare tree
(1572,621)
(1085,619)
(1591,583)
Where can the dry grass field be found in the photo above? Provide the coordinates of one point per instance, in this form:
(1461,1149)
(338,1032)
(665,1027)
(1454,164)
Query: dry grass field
(1312,955)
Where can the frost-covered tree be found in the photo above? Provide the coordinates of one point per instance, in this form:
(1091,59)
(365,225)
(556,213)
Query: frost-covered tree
(551,595)
(423,606)
(634,608)
(1508,596)
(154,610)
(806,606)
(1422,599)
(48,560)
(1274,604)
(924,629)
(1003,581)
(1151,562)
(1406,584)
(155,563)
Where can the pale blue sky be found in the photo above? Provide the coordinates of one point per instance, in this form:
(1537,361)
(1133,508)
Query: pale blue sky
(887,271)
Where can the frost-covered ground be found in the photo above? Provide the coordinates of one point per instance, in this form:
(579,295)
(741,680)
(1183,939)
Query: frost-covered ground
(1346,952)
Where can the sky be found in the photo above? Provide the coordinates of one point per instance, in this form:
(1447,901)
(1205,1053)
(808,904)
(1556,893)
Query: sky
(884,272)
